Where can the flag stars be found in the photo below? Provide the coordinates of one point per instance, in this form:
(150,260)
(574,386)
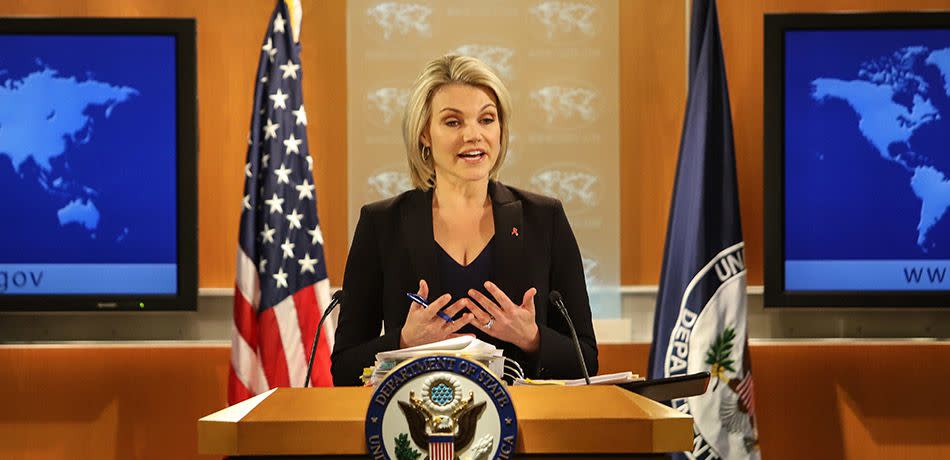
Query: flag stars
(271,52)
(283,174)
(282,116)
(316,235)
(305,189)
(290,69)
(280,99)
(280,277)
(301,115)
(307,264)
(279,24)
(294,219)
(292,144)
(267,235)
(288,248)
(276,204)
(270,129)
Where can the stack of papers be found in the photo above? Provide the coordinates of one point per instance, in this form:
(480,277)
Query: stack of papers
(464,347)
(606,379)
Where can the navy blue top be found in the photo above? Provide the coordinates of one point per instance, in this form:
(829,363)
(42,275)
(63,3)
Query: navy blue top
(457,279)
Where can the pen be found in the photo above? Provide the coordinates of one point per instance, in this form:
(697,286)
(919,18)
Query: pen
(419,300)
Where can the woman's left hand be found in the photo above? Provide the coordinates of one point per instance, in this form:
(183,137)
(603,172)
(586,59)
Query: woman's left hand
(505,320)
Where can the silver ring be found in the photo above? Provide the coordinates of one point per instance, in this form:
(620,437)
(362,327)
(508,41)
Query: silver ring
(490,323)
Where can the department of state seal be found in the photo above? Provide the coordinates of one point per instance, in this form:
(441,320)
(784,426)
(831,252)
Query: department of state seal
(441,408)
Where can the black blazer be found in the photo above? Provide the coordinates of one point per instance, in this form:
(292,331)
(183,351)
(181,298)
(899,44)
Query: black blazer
(394,247)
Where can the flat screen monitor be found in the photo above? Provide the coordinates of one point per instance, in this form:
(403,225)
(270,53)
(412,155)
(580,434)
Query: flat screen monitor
(98,159)
(857,159)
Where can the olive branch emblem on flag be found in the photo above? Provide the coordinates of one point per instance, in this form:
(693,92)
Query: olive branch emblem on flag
(736,411)
(719,356)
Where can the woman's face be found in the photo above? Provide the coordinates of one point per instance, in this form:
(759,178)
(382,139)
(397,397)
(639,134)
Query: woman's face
(464,133)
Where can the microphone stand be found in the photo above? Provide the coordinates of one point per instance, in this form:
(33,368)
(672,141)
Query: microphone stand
(558,302)
(337,299)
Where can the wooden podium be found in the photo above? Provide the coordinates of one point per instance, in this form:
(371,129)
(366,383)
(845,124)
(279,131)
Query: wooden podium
(553,422)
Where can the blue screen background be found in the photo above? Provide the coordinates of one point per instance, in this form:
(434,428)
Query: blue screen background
(843,200)
(126,167)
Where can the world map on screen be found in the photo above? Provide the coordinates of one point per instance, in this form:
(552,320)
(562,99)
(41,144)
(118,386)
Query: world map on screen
(892,100)
(88,149)
(45,113)
(867,145)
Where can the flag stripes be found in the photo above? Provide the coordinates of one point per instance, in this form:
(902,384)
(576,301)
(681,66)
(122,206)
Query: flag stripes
(746,392)
(441,448)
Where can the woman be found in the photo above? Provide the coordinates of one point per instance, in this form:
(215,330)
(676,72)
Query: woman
(485,254)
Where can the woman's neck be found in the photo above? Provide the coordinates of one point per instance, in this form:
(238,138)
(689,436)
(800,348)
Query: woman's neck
(460,195)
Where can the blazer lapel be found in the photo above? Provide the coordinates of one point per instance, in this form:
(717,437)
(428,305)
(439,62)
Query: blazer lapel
(508,257)
(420,241)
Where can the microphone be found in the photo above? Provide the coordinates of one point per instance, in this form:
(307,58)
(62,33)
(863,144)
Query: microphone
(337,299)
(558,302)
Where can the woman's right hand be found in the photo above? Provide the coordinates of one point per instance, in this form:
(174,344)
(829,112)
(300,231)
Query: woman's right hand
(424,326)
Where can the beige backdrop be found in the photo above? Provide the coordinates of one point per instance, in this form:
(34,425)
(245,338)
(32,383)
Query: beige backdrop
(559,59)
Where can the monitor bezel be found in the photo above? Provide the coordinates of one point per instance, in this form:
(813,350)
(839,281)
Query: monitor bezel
(184,31)
(775,293)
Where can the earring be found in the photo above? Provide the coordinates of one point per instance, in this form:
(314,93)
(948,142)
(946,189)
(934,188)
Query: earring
(425,152)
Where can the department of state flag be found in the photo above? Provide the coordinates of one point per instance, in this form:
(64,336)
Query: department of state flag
(282,284)
(700,321)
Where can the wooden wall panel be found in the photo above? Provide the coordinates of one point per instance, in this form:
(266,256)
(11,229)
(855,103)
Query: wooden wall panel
(653,91)
(108,402)
(864,401)
(229,40)
(852,401)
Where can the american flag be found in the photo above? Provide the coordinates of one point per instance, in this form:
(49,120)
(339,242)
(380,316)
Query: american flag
(282,284)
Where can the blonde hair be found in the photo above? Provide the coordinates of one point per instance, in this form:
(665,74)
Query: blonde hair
(439,72)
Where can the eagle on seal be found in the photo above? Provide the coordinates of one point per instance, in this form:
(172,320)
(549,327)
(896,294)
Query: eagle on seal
(460,423)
